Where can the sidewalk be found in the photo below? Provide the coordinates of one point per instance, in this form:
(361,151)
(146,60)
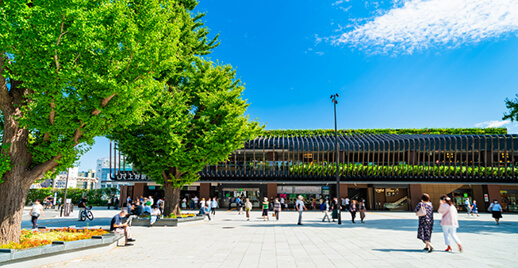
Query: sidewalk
(387,239)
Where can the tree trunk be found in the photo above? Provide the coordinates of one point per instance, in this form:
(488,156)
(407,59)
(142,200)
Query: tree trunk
(172,199)
(13,193)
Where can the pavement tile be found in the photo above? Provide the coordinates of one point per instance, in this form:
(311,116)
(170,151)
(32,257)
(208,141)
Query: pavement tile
(387,239)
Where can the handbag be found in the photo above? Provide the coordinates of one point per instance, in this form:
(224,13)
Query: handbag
(422,211)
(35,214)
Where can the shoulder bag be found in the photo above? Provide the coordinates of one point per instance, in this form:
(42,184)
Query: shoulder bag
(422,210)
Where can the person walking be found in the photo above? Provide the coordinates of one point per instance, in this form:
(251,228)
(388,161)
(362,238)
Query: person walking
(299,205)
(202,202)
(265,209)
(204,212)
(248,208)
(449,222)
(109,202)
(116,203)
(496,209)
(325,209)
(60,203)
(229,203)
(424,210)
(474,208)
(214,205)
(36,212)
(353,208)
(347,202)
(362,208)
(467,205)
(335,209)
(184,203)
(277,208)
(239,205)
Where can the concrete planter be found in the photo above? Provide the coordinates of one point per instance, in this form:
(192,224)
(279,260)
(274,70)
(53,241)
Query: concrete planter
(195,218)
(165,222)
(43,254)
(158,223)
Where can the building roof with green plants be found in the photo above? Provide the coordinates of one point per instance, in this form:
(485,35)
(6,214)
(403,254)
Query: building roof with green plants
(396,131)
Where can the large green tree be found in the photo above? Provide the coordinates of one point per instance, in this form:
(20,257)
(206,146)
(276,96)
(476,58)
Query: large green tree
(71,71)
(196,121)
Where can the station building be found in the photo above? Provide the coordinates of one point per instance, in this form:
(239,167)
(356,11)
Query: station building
(390,169)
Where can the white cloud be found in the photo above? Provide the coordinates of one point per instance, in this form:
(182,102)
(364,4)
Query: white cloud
(493,123)
(421,24)
(339,2)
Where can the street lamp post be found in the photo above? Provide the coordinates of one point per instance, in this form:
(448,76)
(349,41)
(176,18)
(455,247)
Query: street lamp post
(338,200)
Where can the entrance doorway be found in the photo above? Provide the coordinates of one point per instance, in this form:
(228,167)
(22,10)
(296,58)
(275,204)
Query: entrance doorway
(393,199)
(252,193)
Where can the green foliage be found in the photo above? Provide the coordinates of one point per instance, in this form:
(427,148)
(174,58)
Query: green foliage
(89,66)
(191,125)
(354,169)
(512,105)
(95,196)
(196,120)
(430,131)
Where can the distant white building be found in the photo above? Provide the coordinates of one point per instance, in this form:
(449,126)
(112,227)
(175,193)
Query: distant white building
(76,179)
(103,172)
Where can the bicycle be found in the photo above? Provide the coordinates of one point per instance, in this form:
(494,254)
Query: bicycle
(87,214)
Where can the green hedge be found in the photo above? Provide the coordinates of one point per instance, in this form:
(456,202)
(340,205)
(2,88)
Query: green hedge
(96,197)
(399,170)
(431,131)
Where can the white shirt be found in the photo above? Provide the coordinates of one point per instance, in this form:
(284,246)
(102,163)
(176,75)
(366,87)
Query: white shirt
(195,200)
(282,200)
(214,204)
(155,211)
(202,203)
(347,201)
(37,208)
(300,205)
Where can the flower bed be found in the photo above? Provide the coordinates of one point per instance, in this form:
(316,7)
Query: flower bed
(32,239)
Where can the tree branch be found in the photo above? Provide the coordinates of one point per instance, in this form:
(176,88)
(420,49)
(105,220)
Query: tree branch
(78,133)
(57,43)
(104,102)
(40,170)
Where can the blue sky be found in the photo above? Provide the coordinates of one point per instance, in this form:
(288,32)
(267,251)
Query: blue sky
(395,64)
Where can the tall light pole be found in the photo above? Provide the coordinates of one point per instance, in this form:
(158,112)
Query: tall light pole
(338,200)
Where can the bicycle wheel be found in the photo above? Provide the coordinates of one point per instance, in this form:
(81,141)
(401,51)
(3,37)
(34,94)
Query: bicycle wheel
(89,215)
(83,216)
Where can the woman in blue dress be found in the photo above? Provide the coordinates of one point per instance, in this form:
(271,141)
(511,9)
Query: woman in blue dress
(424,231)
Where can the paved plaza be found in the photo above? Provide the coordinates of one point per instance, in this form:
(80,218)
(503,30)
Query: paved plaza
(387,239)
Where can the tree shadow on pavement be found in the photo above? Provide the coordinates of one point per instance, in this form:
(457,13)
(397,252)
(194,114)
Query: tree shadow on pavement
(466,226)
(398,250)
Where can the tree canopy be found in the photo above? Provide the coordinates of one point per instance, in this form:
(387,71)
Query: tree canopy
(71,71)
